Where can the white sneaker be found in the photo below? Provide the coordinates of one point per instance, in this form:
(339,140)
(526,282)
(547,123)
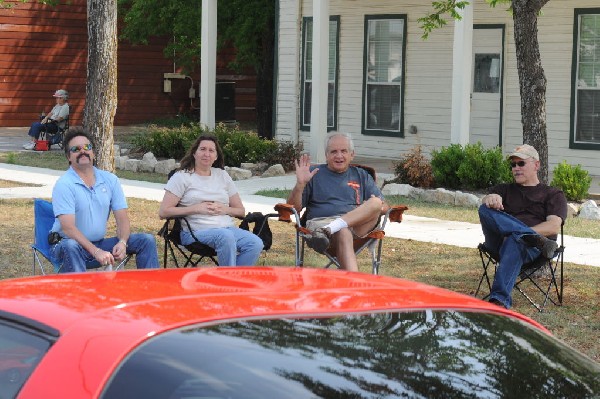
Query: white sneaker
(29,146)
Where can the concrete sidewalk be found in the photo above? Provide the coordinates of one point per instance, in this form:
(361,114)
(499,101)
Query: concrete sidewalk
(582,251)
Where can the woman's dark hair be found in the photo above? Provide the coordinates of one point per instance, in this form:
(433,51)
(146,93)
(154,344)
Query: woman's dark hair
(188,163)
(75,131)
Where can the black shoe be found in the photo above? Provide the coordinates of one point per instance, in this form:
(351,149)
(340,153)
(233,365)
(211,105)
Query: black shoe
(497,302)
(546,246)
(319,240)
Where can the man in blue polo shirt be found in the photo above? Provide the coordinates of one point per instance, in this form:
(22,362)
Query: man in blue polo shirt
(82,200)
(342,202)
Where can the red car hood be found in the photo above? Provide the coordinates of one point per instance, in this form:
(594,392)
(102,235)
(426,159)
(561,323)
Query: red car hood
(101,316)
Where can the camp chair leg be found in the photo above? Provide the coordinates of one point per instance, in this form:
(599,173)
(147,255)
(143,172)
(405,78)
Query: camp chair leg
(552,292)
(377,257)
(165,254)
(332,261)
(38,261)
(123,263)
(300,245)
(486,262)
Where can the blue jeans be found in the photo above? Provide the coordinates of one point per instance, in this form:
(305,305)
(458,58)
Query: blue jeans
(234,246)
(74,258)
(503,238)
(37,127)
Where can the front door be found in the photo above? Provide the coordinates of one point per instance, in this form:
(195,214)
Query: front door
(486,87)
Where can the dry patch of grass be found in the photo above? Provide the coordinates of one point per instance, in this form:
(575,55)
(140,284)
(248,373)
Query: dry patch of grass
(577,322)
(11,184)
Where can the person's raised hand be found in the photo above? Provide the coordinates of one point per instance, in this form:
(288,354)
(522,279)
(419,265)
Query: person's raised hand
(303,172)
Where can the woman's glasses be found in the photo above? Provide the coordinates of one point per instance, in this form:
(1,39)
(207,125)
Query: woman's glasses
(77,148)
(519,163)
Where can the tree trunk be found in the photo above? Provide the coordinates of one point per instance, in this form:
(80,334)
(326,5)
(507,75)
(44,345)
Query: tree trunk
(532,80)
(264,84)
(101,86)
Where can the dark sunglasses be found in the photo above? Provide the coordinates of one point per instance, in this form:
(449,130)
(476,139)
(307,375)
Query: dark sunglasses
(519,163)
(77,148)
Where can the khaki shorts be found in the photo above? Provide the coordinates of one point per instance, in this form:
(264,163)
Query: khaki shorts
(315,223)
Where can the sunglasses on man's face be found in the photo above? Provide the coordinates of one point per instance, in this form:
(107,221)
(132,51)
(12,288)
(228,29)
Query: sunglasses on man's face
(78,148)
(518,163)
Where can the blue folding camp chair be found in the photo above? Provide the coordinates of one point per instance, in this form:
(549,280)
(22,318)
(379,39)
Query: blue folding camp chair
(43,221)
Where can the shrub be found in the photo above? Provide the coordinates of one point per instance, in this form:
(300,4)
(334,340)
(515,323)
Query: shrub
(482,168)
(166,142)
(286,154)
(241,146)
(471,167)
(574,181)
(238,146)
(414,169)
(445,164)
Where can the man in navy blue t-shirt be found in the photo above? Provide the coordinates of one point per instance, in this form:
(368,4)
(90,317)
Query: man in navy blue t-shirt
(342,202)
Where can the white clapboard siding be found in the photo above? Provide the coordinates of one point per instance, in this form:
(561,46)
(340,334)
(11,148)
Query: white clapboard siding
(428,79)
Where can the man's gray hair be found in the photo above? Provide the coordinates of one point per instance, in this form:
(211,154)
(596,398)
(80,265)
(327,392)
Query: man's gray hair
(331,135)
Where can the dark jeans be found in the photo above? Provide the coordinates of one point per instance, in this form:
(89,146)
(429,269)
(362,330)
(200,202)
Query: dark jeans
(37,127)
(503,238)
(75,259)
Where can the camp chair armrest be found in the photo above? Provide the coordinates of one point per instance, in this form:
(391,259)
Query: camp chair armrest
(285,212)
(395,213)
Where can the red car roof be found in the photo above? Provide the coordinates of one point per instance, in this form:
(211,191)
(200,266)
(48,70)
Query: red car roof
(101,316)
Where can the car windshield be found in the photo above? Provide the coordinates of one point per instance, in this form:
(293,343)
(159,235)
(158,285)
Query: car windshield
(20,352)
(418,354)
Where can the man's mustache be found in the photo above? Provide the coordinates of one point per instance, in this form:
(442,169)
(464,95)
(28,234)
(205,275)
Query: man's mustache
(83,155)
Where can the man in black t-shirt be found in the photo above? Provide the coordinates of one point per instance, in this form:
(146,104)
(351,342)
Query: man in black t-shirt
(520,221)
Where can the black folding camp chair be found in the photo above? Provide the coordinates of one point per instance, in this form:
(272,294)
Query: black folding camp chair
(58,137)
(196,252)
(192,254)
(540,281)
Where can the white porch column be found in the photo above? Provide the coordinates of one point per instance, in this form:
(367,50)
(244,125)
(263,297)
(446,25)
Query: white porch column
(208,63)
(461,77)
(320,68)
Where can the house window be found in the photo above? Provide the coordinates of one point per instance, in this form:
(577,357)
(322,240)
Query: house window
(486,73)
(384,64)
(587,79)
(306,91)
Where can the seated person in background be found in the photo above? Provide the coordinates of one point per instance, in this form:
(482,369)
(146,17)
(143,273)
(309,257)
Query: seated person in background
(82,200)
(51,122)
(203,193)
(342,202)
(520,221)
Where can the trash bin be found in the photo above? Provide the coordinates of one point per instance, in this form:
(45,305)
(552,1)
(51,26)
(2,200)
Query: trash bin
(225,102)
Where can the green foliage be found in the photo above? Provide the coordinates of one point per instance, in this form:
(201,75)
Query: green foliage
(241,23)
(574,181)
(445,163)
(178,20)
(11,158)
(436,19)
(414,169)
(471,167)
(165,142)
(482,168)
(238,146)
